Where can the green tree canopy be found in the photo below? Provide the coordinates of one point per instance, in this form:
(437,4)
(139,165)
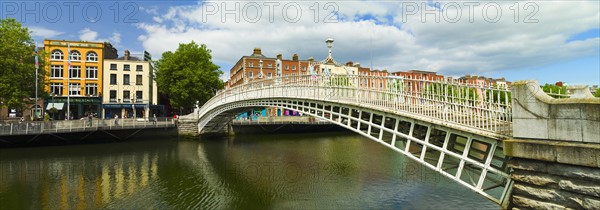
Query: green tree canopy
(17,69)
(188,75)
(554,89)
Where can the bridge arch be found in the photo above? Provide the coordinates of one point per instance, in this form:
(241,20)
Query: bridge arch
(473,160)
(466,147)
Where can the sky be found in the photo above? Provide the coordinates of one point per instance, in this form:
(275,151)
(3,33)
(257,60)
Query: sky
(547,41)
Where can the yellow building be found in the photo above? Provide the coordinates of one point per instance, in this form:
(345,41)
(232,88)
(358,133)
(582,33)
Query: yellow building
(83,76)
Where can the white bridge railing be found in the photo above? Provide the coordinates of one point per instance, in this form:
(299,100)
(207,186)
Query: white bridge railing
(485,108)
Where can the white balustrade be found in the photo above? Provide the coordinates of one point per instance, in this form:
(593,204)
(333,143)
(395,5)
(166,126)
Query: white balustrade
(486,108)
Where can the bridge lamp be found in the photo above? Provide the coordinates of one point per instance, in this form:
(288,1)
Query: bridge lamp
(329,43)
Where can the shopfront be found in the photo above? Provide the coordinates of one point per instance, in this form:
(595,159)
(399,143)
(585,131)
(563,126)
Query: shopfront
(78,107)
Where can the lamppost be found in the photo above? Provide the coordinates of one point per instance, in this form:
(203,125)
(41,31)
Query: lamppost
(53,94)
(329,43)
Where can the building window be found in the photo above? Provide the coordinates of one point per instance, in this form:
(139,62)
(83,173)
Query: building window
(250,74)
(126,67)
(138,97)
(56,89)
(304,68)
(91,89)
(56,55)
(56,71)
(250,64)
(113,79)
(269,74)
(126,96)
(139,68)
(113,66)
(74,89)
(294,68)
(75,72)
(75,55)
(287,67)
(91,72)
(270,65)
(113,96)
(126,79)
(138,79)
(91,56)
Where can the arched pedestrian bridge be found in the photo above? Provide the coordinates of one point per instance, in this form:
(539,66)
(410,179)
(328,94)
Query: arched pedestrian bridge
(452,128)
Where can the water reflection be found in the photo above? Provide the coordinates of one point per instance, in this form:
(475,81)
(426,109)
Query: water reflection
(334,170)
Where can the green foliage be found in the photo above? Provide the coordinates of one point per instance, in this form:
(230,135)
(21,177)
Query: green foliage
(340,81)
(597,94)
(17,77)
(188,75)
(502,97)
(555,91)
(454,94)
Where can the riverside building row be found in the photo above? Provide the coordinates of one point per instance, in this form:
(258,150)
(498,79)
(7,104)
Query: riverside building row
(89,78)
(257,66)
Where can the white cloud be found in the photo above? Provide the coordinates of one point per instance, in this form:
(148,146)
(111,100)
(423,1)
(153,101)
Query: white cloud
(44,33)
(394,41)
(151,11)
(115,38)
(87,34)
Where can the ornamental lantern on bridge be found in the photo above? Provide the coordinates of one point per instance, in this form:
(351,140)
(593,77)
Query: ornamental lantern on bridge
(329,42)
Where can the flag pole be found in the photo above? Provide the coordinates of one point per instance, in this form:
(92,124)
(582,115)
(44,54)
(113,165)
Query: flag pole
(68,80)
(37,65)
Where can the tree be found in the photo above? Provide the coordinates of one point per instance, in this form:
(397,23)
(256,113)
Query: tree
(554,90)
(17,73)
(188,75)
(597,94)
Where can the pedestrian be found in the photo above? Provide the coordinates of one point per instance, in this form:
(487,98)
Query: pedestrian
(154,119)
(116,119)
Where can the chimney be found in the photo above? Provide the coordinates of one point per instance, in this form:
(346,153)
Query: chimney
(126,57)
(279,56)
(257,51)
(295,57)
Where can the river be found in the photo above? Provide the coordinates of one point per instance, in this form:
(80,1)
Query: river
(282,171)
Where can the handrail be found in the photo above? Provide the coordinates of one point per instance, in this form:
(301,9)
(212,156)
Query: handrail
(66,126)
(487,108)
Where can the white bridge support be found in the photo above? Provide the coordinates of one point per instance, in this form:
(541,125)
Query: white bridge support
(455,129)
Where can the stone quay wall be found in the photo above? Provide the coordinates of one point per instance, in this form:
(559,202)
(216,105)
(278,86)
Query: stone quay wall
(554,176)
(187,125)
(554,156)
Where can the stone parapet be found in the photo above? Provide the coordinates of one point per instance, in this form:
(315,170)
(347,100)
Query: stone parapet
(187,125)
(553,174)
(539,116)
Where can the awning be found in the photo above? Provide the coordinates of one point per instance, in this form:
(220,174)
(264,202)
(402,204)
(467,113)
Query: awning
(58,106)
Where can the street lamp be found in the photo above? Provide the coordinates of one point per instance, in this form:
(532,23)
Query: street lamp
(329,43)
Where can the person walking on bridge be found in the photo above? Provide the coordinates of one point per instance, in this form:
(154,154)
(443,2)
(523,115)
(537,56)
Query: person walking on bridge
(116,119)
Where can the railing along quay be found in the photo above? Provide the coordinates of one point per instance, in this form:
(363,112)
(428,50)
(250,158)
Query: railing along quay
(67,126)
